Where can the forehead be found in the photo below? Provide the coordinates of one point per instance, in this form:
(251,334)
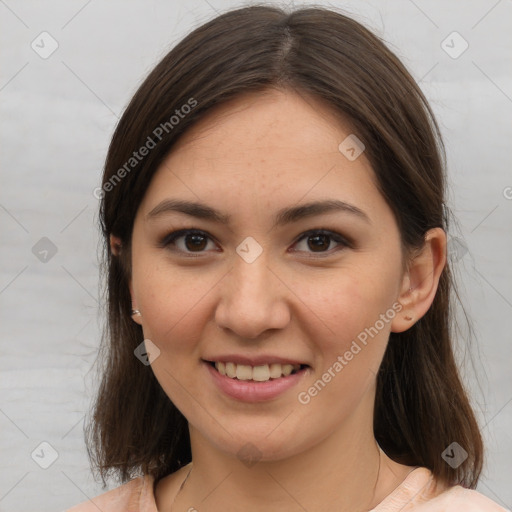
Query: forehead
(266,123)
(267,149)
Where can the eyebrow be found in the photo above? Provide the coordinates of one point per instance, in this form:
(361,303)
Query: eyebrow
(283,217)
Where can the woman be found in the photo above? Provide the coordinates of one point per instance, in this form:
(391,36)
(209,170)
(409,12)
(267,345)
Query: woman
(248,366)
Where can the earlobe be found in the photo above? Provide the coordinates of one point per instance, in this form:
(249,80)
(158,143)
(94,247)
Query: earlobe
(134,313)
(420,283)
(115,245)
(136,316)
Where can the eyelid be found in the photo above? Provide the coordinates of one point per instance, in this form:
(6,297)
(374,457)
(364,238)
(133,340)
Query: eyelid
(340,239)
(174,235)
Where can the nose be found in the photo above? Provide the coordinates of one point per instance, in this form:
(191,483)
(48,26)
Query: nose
(253,299)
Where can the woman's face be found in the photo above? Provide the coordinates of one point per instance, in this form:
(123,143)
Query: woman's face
(261,291)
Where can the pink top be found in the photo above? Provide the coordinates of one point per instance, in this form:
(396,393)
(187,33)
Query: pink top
(416,493)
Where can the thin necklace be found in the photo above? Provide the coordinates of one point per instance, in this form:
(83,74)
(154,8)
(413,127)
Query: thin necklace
(377,479)
(190,471)
(181,487)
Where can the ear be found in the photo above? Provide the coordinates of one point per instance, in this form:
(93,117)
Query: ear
(115,247)
(420,282)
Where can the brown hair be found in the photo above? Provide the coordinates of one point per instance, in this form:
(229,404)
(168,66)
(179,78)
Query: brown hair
(421,406)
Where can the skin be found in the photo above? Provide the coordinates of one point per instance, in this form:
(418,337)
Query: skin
(249,158)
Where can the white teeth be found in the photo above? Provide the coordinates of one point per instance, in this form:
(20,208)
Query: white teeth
(230,369)
(275,370)
(259,373)
(287,369)
(243,372)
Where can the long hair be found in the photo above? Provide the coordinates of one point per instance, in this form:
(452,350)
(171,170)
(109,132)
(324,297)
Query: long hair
(421,406)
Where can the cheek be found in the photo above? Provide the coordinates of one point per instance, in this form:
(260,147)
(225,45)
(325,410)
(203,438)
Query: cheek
(356,313)
(172,302)
(349,357)
(344,303)
(174,314)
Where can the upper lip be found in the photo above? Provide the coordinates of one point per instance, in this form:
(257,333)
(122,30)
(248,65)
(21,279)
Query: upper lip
(256,360)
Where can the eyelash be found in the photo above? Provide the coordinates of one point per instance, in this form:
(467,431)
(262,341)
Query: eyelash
(171,238)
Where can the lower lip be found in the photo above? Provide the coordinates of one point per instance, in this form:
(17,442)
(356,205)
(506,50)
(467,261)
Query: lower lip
(251,391)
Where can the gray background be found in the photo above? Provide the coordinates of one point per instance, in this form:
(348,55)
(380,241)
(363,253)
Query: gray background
(57,117)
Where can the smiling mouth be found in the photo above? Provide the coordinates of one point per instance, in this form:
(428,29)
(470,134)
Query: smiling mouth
(260,373)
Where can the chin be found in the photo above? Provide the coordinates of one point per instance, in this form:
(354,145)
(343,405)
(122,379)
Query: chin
(257,445)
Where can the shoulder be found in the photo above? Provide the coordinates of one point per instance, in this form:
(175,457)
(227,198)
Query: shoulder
(135,495)
(459,498)
(422,493)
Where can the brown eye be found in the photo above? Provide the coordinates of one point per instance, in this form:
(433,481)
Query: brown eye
(195,242)
(186,241)
(319,241)
(189,241)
